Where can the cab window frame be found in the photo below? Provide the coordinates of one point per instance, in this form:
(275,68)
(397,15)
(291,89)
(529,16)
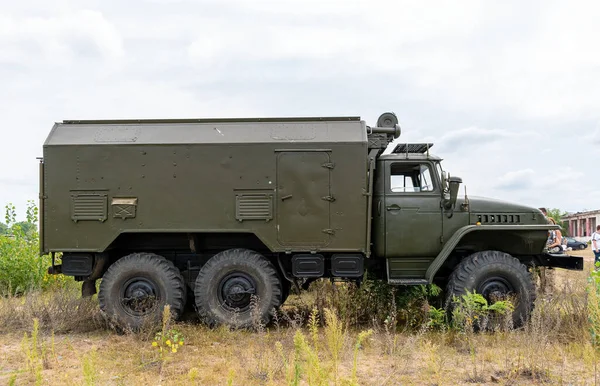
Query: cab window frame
(432,175)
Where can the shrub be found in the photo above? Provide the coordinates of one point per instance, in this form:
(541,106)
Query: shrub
(594,305)
(376,303)
(22,269)
(472,311)
(61,311)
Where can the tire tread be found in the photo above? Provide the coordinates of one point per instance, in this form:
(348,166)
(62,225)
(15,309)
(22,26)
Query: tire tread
(457,284)
(146,259)
(236,256)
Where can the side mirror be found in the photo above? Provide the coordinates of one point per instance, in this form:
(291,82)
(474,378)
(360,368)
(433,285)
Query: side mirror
(454,184)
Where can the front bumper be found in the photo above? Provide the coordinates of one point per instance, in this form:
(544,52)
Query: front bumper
(561,260)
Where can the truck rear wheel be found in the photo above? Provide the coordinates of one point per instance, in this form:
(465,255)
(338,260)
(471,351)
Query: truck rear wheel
(227,283)
(135,289)
(495,275)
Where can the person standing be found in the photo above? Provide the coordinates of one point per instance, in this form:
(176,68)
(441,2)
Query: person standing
(596,245)
(555,238)
(553,245)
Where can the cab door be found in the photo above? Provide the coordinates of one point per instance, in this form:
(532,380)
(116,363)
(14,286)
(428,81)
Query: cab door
(413,217)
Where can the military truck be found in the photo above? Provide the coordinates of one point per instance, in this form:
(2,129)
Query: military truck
(228,214)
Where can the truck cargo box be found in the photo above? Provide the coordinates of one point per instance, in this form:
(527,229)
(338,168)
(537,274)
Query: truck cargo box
(297,184)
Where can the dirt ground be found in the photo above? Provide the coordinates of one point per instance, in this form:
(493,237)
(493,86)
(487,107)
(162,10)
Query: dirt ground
(587,254)
(537,355)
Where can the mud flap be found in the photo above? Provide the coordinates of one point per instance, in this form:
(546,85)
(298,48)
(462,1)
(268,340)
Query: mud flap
(88,288)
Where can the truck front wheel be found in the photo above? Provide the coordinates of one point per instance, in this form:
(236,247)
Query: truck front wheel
(136,288)
(497,276)
(237,287)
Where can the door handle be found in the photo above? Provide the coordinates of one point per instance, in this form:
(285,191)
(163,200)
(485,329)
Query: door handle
(392,207)
(286,197)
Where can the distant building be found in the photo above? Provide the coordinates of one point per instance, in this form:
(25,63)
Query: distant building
(582,224)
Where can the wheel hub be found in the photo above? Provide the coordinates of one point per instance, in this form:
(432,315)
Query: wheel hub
(140,296)
(495,288)
(236,291)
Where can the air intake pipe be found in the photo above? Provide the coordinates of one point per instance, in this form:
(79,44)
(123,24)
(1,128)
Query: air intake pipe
(386,124)
(395,131)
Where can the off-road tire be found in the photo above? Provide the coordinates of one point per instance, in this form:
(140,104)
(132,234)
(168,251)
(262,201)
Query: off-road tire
(227,267)
(148,268)
(473,272)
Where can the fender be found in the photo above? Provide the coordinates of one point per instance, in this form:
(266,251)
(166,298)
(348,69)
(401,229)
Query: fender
(461,232)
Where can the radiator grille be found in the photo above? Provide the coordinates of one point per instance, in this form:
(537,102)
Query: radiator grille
(257,206)
(499,218)
(90,206)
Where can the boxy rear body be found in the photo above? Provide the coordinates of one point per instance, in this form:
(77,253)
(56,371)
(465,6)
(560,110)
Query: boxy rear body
(294,186)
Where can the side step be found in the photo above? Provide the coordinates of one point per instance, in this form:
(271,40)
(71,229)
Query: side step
(408,281)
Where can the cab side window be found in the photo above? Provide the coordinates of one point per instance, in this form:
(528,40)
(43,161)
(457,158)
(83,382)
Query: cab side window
(410,178)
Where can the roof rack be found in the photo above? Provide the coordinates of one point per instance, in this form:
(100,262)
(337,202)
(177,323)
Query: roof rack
(420,148)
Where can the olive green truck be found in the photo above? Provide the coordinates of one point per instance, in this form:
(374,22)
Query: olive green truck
(228,214)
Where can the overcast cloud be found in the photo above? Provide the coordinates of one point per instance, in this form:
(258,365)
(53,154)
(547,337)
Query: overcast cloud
(508,91)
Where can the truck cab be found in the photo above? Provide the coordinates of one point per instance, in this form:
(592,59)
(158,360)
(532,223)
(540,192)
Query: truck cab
(423,230)
(411,204)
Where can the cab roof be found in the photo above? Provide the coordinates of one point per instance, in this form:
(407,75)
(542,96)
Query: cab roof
(410,156)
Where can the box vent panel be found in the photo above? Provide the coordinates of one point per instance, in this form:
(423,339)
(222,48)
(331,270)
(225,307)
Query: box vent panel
(254,206)
(90,206)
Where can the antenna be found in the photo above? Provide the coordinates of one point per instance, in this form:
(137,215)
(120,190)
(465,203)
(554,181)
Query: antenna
(465,204)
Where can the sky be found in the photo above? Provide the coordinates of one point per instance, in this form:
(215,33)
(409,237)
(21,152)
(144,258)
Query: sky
(508,91)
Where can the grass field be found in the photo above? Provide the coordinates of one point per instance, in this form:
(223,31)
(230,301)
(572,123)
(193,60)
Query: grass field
(73,346)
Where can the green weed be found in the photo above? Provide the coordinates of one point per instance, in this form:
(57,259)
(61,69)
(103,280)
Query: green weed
(90,375)
(315,372)
(334,334)
(362,337)
(34,353)
(472,311)
(593,305)
(169,339)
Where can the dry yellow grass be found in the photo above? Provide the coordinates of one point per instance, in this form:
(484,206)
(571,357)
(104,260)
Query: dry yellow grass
(547,352)
(214,357)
